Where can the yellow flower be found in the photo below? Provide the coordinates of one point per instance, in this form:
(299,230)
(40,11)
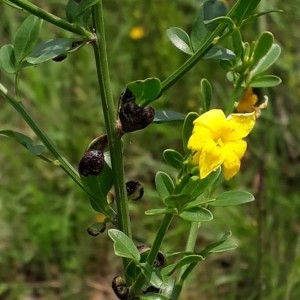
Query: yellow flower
(217,140)
(137,33)
(100,218)
(248,101)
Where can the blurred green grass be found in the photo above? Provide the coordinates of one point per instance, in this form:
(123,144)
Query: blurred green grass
(45,252)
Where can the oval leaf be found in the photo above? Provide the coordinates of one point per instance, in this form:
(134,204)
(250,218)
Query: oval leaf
(188,126)
(206,93)
(123,245)
(164,184)
(173,158)
(232,198)
(180,39)
(197,214)
(267,61)
(263,46)
(160,211)
(265,81)
(7,59)
(26,37)
(49,50)
(165,116)
(219,53)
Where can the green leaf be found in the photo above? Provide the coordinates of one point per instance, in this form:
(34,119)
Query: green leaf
(233,198)
(160,211)
(24,140)
(26,37)
(206,94)
(98,187)
(123,245)
(173,158)
(199,31)
(244,9)
(49,50)
(176,201)
(196,214)
(263,46)
(219,246)
(145,91)
(237,43)
(188,127)
(213,9)
(152,276)
(75,10)
(265,81)
(7,59)
(180,39)
(165,116)
(219,53)
(154,297)
(267,61)
(164,184)
(189,259)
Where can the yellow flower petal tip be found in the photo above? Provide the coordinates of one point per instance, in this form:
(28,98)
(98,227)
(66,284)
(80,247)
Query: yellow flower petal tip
(137,33)
(219,141)
(248,103)
(100,218)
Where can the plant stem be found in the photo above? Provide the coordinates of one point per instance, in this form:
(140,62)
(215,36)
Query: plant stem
(53,19)
(114,139)
(137,286)
(18,106)
(190,245)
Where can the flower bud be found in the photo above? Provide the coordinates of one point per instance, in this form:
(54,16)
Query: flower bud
(92,163)
(135,190)
(96,228)
(120,288)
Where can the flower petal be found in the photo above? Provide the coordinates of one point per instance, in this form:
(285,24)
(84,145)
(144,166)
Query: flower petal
(210,159)
(231,164)
(199,138)
(238,147)
(214,119)
(240,126)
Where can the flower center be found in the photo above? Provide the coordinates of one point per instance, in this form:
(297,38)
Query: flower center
(219,142)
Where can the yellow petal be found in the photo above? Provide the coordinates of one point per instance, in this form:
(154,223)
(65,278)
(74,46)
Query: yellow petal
(238,147)
(199,138)
(240,126)
(231,164)
(214,120)
(210,159)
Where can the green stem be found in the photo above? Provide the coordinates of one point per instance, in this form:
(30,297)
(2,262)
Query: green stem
(18,106)
(137,286)
(53,19)
(114,139)
(190,245)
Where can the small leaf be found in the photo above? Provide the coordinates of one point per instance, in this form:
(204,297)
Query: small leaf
(145,91)
(24,140)
(164,184)
(219,53)
(180,39)
(213,9)
(7,59)
(232,198)
(173,158)
(209,248)
(265,81)
(176,201)
(165,116)
(188,128)
(263,46)
(226,246)
(154,297)
(199,31)
(206,93)
(189,259)
(49,50)
(76,10)
(237,43)
(123,245)
(267,61)
(244,9)
(197,214)
(26,37)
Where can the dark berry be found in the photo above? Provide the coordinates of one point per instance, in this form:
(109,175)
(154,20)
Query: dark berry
(92,163)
